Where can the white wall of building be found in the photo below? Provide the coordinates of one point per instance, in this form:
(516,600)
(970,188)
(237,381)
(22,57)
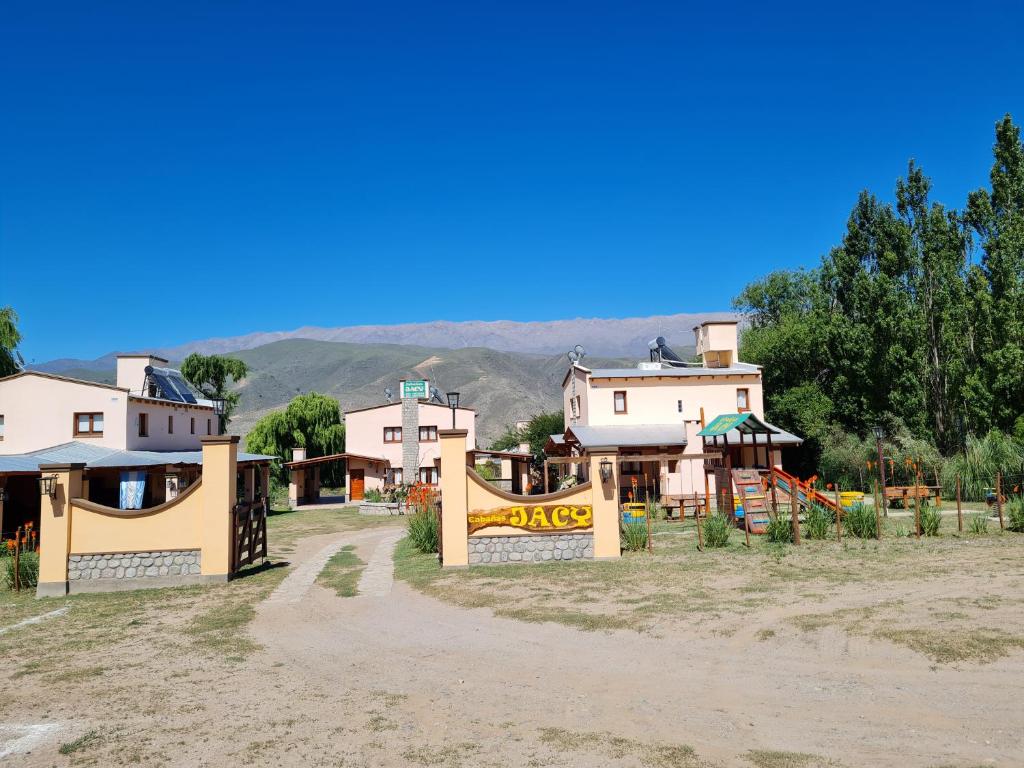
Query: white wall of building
(39,412)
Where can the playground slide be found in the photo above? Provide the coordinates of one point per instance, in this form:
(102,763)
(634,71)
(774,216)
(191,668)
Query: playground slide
(805,495)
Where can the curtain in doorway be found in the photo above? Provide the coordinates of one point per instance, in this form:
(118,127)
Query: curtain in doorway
(133,485)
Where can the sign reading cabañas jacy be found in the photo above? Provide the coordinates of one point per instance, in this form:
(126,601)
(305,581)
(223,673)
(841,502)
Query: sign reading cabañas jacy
(550,518)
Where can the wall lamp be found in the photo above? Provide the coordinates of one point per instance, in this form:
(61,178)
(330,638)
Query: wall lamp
(48,486)
(605,468)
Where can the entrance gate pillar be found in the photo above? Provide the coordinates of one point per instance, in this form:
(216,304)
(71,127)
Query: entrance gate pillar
(55,528)
(220,488)
(454,498)
(605,504)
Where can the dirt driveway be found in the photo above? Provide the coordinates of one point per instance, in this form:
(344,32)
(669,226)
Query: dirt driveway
(392,677)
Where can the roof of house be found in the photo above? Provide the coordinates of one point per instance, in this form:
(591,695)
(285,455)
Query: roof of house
(740,369)
(421,401)
(333,457)
(97,457)
(57,377)
(627,435)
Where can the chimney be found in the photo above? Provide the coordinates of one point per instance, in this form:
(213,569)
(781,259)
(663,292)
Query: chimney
(131,371)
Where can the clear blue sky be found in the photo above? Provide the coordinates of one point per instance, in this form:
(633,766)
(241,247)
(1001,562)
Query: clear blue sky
(177,171)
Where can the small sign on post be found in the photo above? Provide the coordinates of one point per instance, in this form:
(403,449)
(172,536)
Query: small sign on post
(417,389)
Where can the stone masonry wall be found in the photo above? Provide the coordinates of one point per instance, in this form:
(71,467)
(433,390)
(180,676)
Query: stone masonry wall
(410,440)
(133,565)
(531,549)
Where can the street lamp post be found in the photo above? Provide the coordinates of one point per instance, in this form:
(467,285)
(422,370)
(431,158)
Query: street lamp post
(453,403)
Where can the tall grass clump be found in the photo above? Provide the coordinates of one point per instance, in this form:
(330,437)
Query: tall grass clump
(979,462)
(779,530)
(28,568)
(424,526)
(930,521)
(978,524)
(816,522)
(859,521)
(716,531)
(634,536)
(1015,514)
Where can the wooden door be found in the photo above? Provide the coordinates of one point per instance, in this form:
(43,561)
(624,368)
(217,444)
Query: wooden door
(356,479)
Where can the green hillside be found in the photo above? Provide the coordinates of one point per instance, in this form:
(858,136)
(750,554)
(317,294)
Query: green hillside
(501,386)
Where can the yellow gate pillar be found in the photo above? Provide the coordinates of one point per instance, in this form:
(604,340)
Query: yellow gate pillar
(220,489)
(606,505)
(55,528)
(454,502)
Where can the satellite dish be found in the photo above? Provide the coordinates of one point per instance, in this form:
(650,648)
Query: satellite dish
(435,394)
(579,350)
(388,394)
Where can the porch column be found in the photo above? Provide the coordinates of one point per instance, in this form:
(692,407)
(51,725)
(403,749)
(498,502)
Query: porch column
(316,483)
(296,478)
(605,505)
(55,528)
(265,483)
(250,482)
(220,488)
(454,497)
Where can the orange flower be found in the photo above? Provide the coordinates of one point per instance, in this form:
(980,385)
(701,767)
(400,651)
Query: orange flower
(11,544)
(829,486)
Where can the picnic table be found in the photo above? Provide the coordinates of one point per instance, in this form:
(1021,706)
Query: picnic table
(907,494)
(681,502)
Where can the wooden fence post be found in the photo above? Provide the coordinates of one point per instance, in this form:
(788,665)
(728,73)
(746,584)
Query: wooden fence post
(878,512)
(650,544)
(999,498)
(839,516)
(917,506)
(794,511)
(959,508)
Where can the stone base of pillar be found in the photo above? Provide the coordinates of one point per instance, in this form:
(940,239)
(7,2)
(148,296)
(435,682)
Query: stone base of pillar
(51,589)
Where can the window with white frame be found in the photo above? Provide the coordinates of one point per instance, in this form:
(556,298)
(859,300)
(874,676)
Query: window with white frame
(620,402)
(392,434)
(428,475)
(742,400)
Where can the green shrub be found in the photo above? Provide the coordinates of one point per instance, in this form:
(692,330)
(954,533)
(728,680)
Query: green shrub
(423,529)
(859,521)
(817,521)
(373,496)
(930,521)
(979,524)
(779,530)
(716,531)
(28,566)
(634,536)
(900,531)
(981,459)
(1015,514)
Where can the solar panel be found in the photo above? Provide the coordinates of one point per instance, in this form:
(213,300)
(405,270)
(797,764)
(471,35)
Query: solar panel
(170,385)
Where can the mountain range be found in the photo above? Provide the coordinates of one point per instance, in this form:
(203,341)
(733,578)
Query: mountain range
(506,370)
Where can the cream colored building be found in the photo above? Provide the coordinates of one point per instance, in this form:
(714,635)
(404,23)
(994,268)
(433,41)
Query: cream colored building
(658,407)
(40,410)
(149,423)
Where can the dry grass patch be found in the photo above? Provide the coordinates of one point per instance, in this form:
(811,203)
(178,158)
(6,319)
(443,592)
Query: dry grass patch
(606,745)
(769,758)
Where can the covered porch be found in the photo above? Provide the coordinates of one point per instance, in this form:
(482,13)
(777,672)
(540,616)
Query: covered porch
(361,474)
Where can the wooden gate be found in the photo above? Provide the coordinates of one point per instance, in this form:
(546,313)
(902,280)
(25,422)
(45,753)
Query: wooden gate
(249,534)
